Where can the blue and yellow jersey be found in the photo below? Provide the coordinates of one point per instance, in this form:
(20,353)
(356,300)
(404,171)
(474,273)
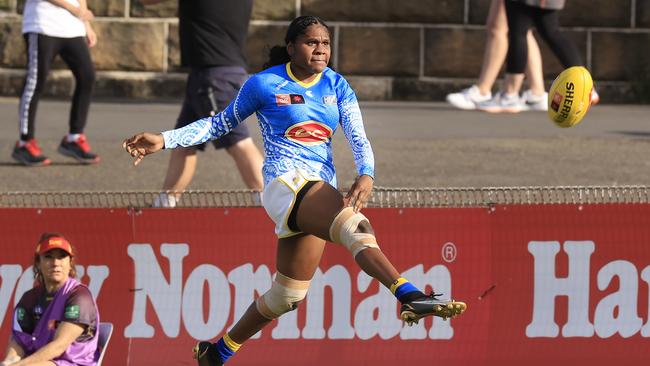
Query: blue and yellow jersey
(297,121)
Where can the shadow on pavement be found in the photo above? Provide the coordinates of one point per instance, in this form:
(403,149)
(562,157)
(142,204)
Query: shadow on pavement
(645,134)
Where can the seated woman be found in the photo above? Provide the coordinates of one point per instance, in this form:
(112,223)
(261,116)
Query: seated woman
(55,323)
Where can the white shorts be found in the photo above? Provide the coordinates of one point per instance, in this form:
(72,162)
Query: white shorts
(279,197)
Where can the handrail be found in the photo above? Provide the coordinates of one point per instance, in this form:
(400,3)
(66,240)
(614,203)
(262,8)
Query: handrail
(381,197)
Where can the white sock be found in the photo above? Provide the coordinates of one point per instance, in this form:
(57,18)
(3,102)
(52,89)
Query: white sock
(257,199)
(165,200)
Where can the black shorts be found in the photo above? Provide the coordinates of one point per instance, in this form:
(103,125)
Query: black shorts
(208,91)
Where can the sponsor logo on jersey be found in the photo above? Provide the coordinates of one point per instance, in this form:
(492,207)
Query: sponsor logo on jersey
(309,133)
(280,85)
(297,99)
(329,99)
(287,99)
(20,314)
(309,93)
(56,242)
(282,99)
(72,312)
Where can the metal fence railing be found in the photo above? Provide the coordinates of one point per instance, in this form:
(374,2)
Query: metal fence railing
(382,197)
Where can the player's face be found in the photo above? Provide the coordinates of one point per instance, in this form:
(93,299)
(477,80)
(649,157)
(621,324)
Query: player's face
(55,266)
(310,53)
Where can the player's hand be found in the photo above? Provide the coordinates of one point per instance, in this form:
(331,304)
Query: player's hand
(359,193)
(143,144)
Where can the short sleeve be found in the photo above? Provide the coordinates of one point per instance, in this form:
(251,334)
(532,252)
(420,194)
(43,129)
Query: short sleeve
(80,309)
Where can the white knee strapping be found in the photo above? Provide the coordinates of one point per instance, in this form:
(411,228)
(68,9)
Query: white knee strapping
(283,296)
(343,231)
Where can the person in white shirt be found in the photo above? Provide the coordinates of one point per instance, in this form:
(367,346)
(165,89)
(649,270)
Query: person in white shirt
(51,28)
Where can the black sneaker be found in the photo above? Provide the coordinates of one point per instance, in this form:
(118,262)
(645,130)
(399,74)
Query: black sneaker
(412,311)
(79,150)
(29,154)
(206,354)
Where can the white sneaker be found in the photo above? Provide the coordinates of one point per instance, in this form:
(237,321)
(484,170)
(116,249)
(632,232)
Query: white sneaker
(534,102)
(502,103)
(467,98)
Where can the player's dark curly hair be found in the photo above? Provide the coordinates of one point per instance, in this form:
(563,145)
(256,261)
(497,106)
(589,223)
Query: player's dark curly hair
(278,54)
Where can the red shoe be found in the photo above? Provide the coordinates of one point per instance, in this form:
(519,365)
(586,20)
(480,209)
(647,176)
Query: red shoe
(79,150)
(30,154)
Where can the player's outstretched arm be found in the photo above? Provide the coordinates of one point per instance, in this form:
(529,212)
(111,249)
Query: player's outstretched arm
(143,144)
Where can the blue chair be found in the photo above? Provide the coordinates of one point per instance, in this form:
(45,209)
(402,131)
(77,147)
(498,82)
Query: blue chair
(105,332)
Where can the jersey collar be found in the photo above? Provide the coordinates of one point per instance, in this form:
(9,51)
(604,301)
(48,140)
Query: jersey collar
(294,78)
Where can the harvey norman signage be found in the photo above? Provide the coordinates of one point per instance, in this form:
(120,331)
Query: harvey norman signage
(550,283)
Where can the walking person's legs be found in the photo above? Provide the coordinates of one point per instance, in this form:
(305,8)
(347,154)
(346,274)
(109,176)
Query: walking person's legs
(180,171)
(534,67)
(535,97)
(41,51)
(206,92)
(523,55)
(249,161)
(519,23)
(76,55)
(548,25)
(182,166)
(222,85)
(496,46)
(496,49)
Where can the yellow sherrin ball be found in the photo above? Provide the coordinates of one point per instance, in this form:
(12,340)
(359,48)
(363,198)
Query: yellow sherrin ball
(570,96)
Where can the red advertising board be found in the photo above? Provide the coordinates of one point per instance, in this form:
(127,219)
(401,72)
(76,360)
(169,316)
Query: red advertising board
(543,283)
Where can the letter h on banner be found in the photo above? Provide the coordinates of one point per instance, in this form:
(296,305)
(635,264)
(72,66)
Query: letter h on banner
(575,286)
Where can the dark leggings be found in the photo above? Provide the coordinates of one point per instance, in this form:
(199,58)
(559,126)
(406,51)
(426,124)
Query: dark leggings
(41,50)
(520,19)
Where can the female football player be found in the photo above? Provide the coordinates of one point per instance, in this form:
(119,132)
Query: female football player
(299,103)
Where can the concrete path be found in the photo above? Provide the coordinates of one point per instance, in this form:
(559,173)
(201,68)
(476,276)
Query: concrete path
(415,144)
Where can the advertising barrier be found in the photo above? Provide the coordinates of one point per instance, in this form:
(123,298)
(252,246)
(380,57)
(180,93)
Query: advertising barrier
(543,284)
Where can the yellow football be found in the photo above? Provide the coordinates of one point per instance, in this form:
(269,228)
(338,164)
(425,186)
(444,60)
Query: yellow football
(570,96)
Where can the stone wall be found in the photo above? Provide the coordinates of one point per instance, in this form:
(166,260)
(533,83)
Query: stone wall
(417,50)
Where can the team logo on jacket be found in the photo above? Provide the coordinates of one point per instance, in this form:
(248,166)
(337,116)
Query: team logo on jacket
(309,133)
(287,99)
